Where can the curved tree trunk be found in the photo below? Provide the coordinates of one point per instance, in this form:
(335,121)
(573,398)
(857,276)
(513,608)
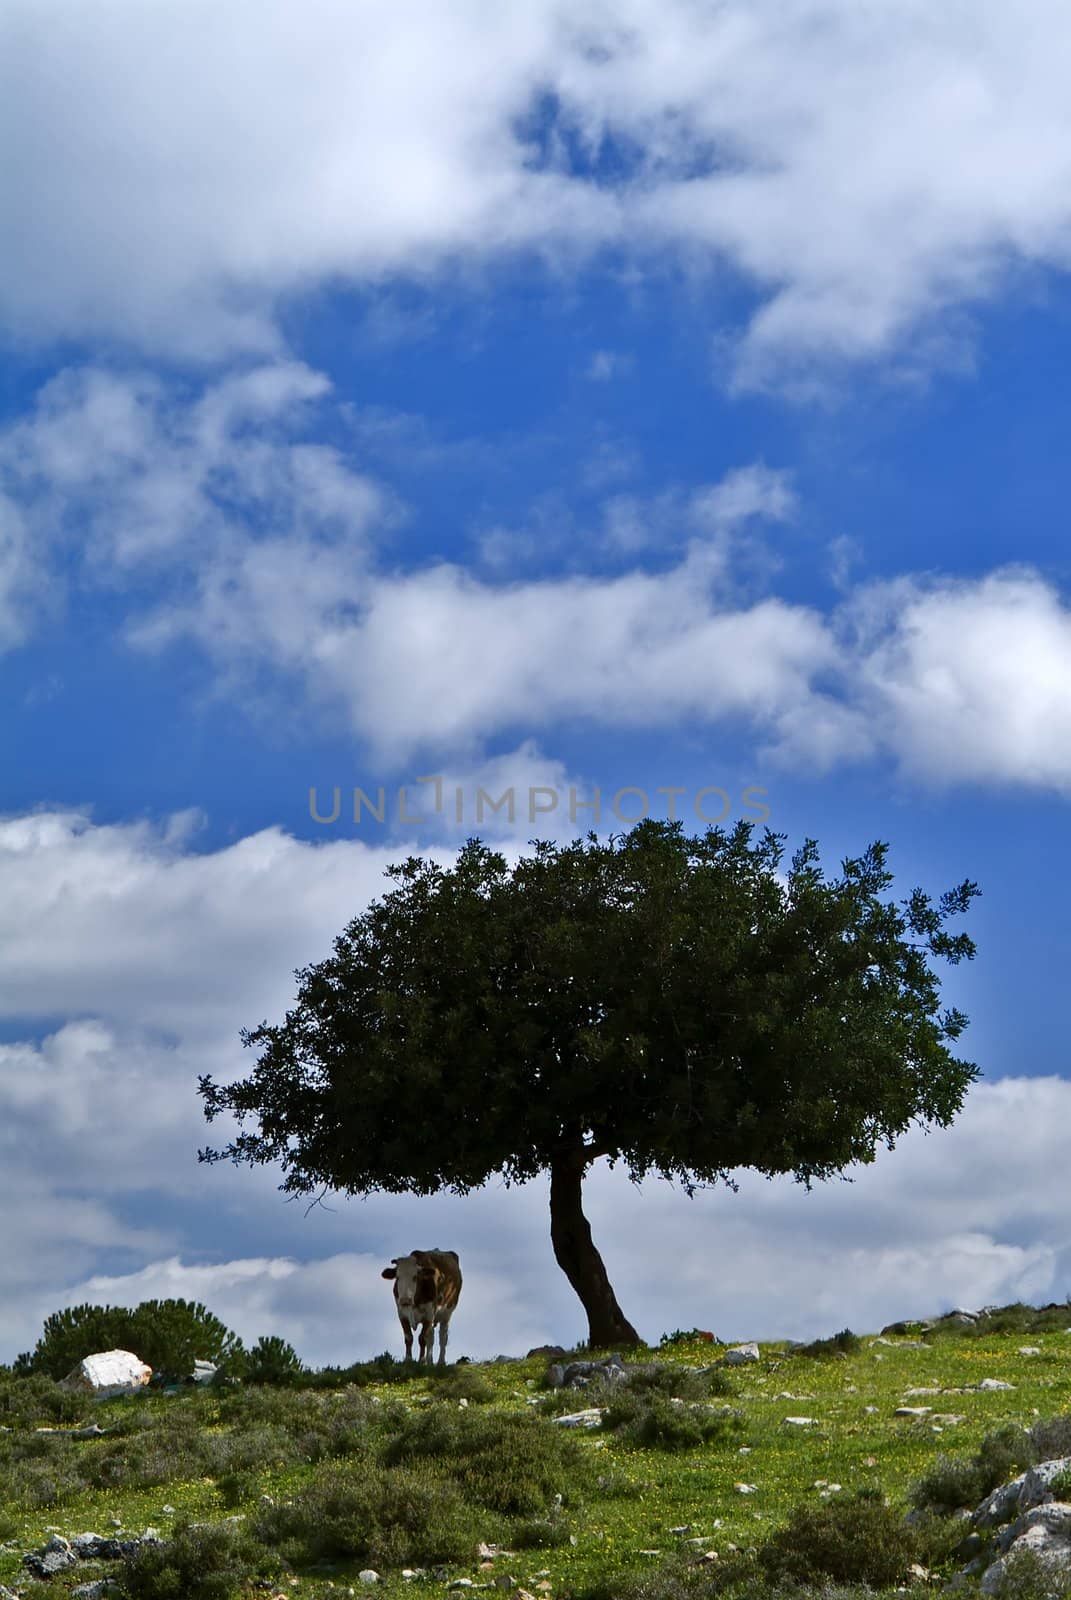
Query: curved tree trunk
(575,1253)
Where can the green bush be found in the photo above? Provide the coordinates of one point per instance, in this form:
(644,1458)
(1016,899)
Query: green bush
(953,1481)
(654,1422)
(1026,1577)
(845,1343)
(37,1400)
(272,1360)
(1052,1438)
(169,1335)
(462,1383)
(198,1563)
(510,1463)
(849,1539)
(397,1517)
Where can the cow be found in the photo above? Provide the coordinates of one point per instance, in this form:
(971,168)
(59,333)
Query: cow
(427,1284)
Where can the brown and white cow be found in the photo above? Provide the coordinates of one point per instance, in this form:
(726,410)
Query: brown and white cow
(427,1284)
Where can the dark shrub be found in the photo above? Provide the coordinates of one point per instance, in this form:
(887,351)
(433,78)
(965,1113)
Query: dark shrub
(272,1360)
(539,1533)
(37,1400)
(845,1343)
(1025,1577)
(389,1517)
(169,1335)
(653,1422)
(1052,1439)
(509,1463)
(203,1563)
(849,1539)
(964,1481)
(463,1383)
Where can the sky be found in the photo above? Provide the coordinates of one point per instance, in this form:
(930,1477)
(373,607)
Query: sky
(404,407)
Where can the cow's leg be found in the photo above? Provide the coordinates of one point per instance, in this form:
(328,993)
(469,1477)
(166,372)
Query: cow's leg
(444,1329)
(427,1336)
(407,1334)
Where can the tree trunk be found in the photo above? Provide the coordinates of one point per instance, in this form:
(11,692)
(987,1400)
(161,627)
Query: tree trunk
(575,1253)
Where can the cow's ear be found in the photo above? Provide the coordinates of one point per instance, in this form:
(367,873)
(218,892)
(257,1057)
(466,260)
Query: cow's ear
(389,1272)
(419,1255)
(452,1253)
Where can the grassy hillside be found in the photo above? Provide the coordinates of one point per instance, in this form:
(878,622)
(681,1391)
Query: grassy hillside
(416,1473)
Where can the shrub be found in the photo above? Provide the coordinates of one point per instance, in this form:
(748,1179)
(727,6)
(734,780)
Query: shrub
(511,1464)
(169,1335)
(676,1382)
(272,1360)
(1026,1577)
(653,1422)
(849,1539)
(198,1563)
(957,1481)
(390,1517)
(1052,1439)
(845,1343)
(462,1383)
(539,1533)
(381,1369)
(39,1400)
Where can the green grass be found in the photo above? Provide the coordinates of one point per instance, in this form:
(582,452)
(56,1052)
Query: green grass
(415,1469)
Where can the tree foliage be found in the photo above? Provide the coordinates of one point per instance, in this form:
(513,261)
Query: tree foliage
(676,1004)
(168,1335)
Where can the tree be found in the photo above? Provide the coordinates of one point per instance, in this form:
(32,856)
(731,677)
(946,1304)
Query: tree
(168,1335)
(668,1002)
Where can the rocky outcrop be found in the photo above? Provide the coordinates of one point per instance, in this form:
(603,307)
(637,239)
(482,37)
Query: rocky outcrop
(107,1374)
(1029,1520)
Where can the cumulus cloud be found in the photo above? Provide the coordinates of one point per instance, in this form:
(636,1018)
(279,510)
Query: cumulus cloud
(270,552)
(865,171)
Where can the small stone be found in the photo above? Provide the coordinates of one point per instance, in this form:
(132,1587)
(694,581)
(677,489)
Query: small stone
(1029,1350)
(993,1383)
(800,1422)
(745,1488)
(912,1411)
(368,1575)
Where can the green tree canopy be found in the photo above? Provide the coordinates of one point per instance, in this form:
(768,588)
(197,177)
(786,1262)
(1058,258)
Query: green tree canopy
(676,1004)
(168,1335)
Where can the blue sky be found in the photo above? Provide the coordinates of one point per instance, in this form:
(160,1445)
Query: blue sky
(603,397)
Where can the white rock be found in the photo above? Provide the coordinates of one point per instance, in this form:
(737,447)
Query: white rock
(745,1488)
(1022,1494)
(109,1373)
(800,1422)
(992,1383)
(1029,1350)
(912,1411)
(740,1354)
(369,1575)
(581,1419)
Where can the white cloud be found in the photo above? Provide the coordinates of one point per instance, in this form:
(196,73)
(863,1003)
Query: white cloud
(967,680)
(124,922)
(608,364)
(268,548)
(868,171)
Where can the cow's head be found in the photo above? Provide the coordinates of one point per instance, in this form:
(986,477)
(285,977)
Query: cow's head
(415,1279)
